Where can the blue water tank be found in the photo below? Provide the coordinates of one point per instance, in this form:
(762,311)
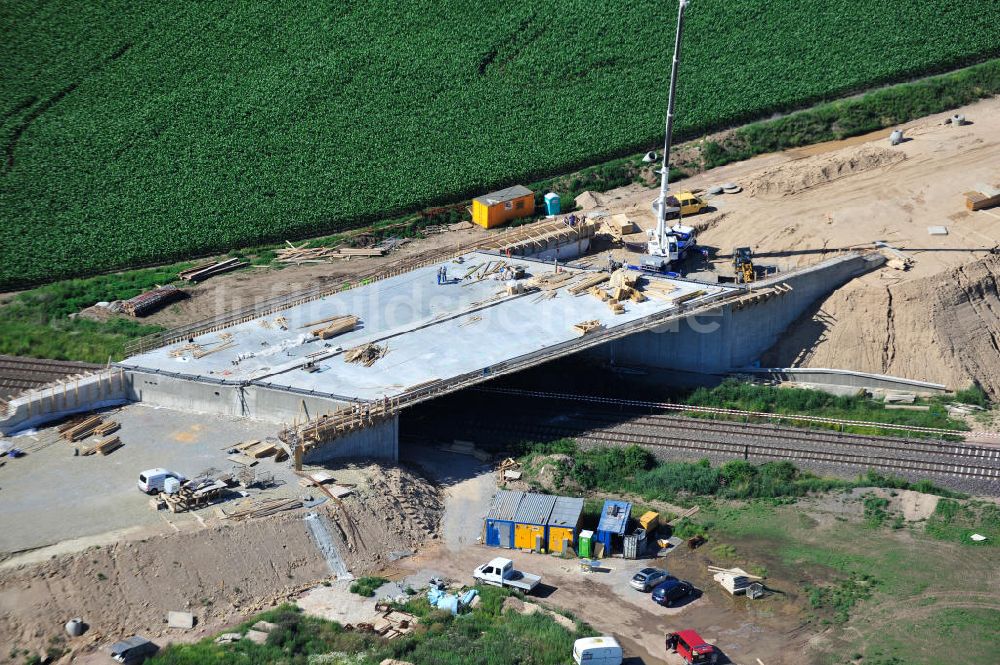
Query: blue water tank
(552,206)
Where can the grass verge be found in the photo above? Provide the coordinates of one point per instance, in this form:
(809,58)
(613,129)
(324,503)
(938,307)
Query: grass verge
(485,635)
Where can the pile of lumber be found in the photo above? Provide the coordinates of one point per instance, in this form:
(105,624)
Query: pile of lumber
(366,354)
(264,508)
(689,296)
(77,430)
(588,283)
(658,289)
(105,446)
(82,428)
(259,449)
(552,280)
(303,254)
(150,301)
(332,326)
(733,580)
(206,270)
(585,327)
(986,197)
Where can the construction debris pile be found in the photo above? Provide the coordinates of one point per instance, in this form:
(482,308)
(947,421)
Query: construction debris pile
(206,270)
(302,254)
(262,508)
(78,429)
(199,350)
(150,301)
(366,354)
(390,623)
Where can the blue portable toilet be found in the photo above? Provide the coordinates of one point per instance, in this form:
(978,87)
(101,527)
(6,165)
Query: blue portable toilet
(499,523)
(613,522)
(552,206)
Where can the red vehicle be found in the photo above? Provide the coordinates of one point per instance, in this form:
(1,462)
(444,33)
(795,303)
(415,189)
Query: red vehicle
(692,648)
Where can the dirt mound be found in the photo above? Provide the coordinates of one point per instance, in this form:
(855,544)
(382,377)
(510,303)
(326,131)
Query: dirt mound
(944,328)
(804,174)
(391,518)
(550,471)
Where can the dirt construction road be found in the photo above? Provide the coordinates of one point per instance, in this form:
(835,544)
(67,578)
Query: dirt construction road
(937,321)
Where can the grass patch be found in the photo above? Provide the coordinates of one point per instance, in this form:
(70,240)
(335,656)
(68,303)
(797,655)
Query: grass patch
(837,600)
(484,636)
(366,586)
(41,323)
(958,520)
(734,394)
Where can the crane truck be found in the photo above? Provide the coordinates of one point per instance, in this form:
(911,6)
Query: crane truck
(667,247)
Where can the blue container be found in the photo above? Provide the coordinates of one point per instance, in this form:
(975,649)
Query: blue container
(614,520)
(552,206)
(499,522)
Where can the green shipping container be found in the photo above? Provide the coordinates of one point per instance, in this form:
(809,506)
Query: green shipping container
(584,548)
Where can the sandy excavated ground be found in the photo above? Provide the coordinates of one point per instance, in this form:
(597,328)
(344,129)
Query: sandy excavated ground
(939,321)
(221,573)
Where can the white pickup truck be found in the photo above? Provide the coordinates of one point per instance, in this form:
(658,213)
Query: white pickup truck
(501,572)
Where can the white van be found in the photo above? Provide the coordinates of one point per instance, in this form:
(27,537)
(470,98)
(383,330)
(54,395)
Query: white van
(603,650)
(151,480)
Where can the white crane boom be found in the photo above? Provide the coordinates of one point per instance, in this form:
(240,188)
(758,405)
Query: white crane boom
(658,245)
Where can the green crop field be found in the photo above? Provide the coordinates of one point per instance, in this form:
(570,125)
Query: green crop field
(141,132)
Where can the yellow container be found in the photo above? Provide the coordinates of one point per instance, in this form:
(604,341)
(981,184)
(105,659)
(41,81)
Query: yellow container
(525,534)
(556,537)
(649,520)
(500,207)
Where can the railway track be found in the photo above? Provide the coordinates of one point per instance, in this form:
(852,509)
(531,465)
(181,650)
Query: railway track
(672,437)
(19,374)
(958,464)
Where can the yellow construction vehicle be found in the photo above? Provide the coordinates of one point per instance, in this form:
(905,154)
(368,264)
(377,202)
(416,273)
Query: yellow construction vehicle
(743,265)
(688,203)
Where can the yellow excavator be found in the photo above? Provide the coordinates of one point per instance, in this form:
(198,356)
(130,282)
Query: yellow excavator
(743,265)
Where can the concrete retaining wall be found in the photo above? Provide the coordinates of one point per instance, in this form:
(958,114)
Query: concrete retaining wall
(817,376)
(379,441)
(738,334)
(257,402)
(77,395)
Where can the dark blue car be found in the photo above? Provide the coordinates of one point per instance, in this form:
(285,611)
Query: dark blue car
(671,591)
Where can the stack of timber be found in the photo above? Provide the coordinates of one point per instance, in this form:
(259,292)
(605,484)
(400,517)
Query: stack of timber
(658,289)
(264,508)
(332,326)
(588,282)
(105,446)
(194,494)
(206,270)
(150,301)
(552,280)
(303,254)
(986,197)
(689,296)
(366,354)
(391,623)
(79,430)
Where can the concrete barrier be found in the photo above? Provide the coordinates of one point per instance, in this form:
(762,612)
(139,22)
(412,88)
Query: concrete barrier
(102,389)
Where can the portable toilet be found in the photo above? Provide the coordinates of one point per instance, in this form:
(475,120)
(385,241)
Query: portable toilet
(499,523)
(564,521)
(531,520)
(585,545)
(552,206)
